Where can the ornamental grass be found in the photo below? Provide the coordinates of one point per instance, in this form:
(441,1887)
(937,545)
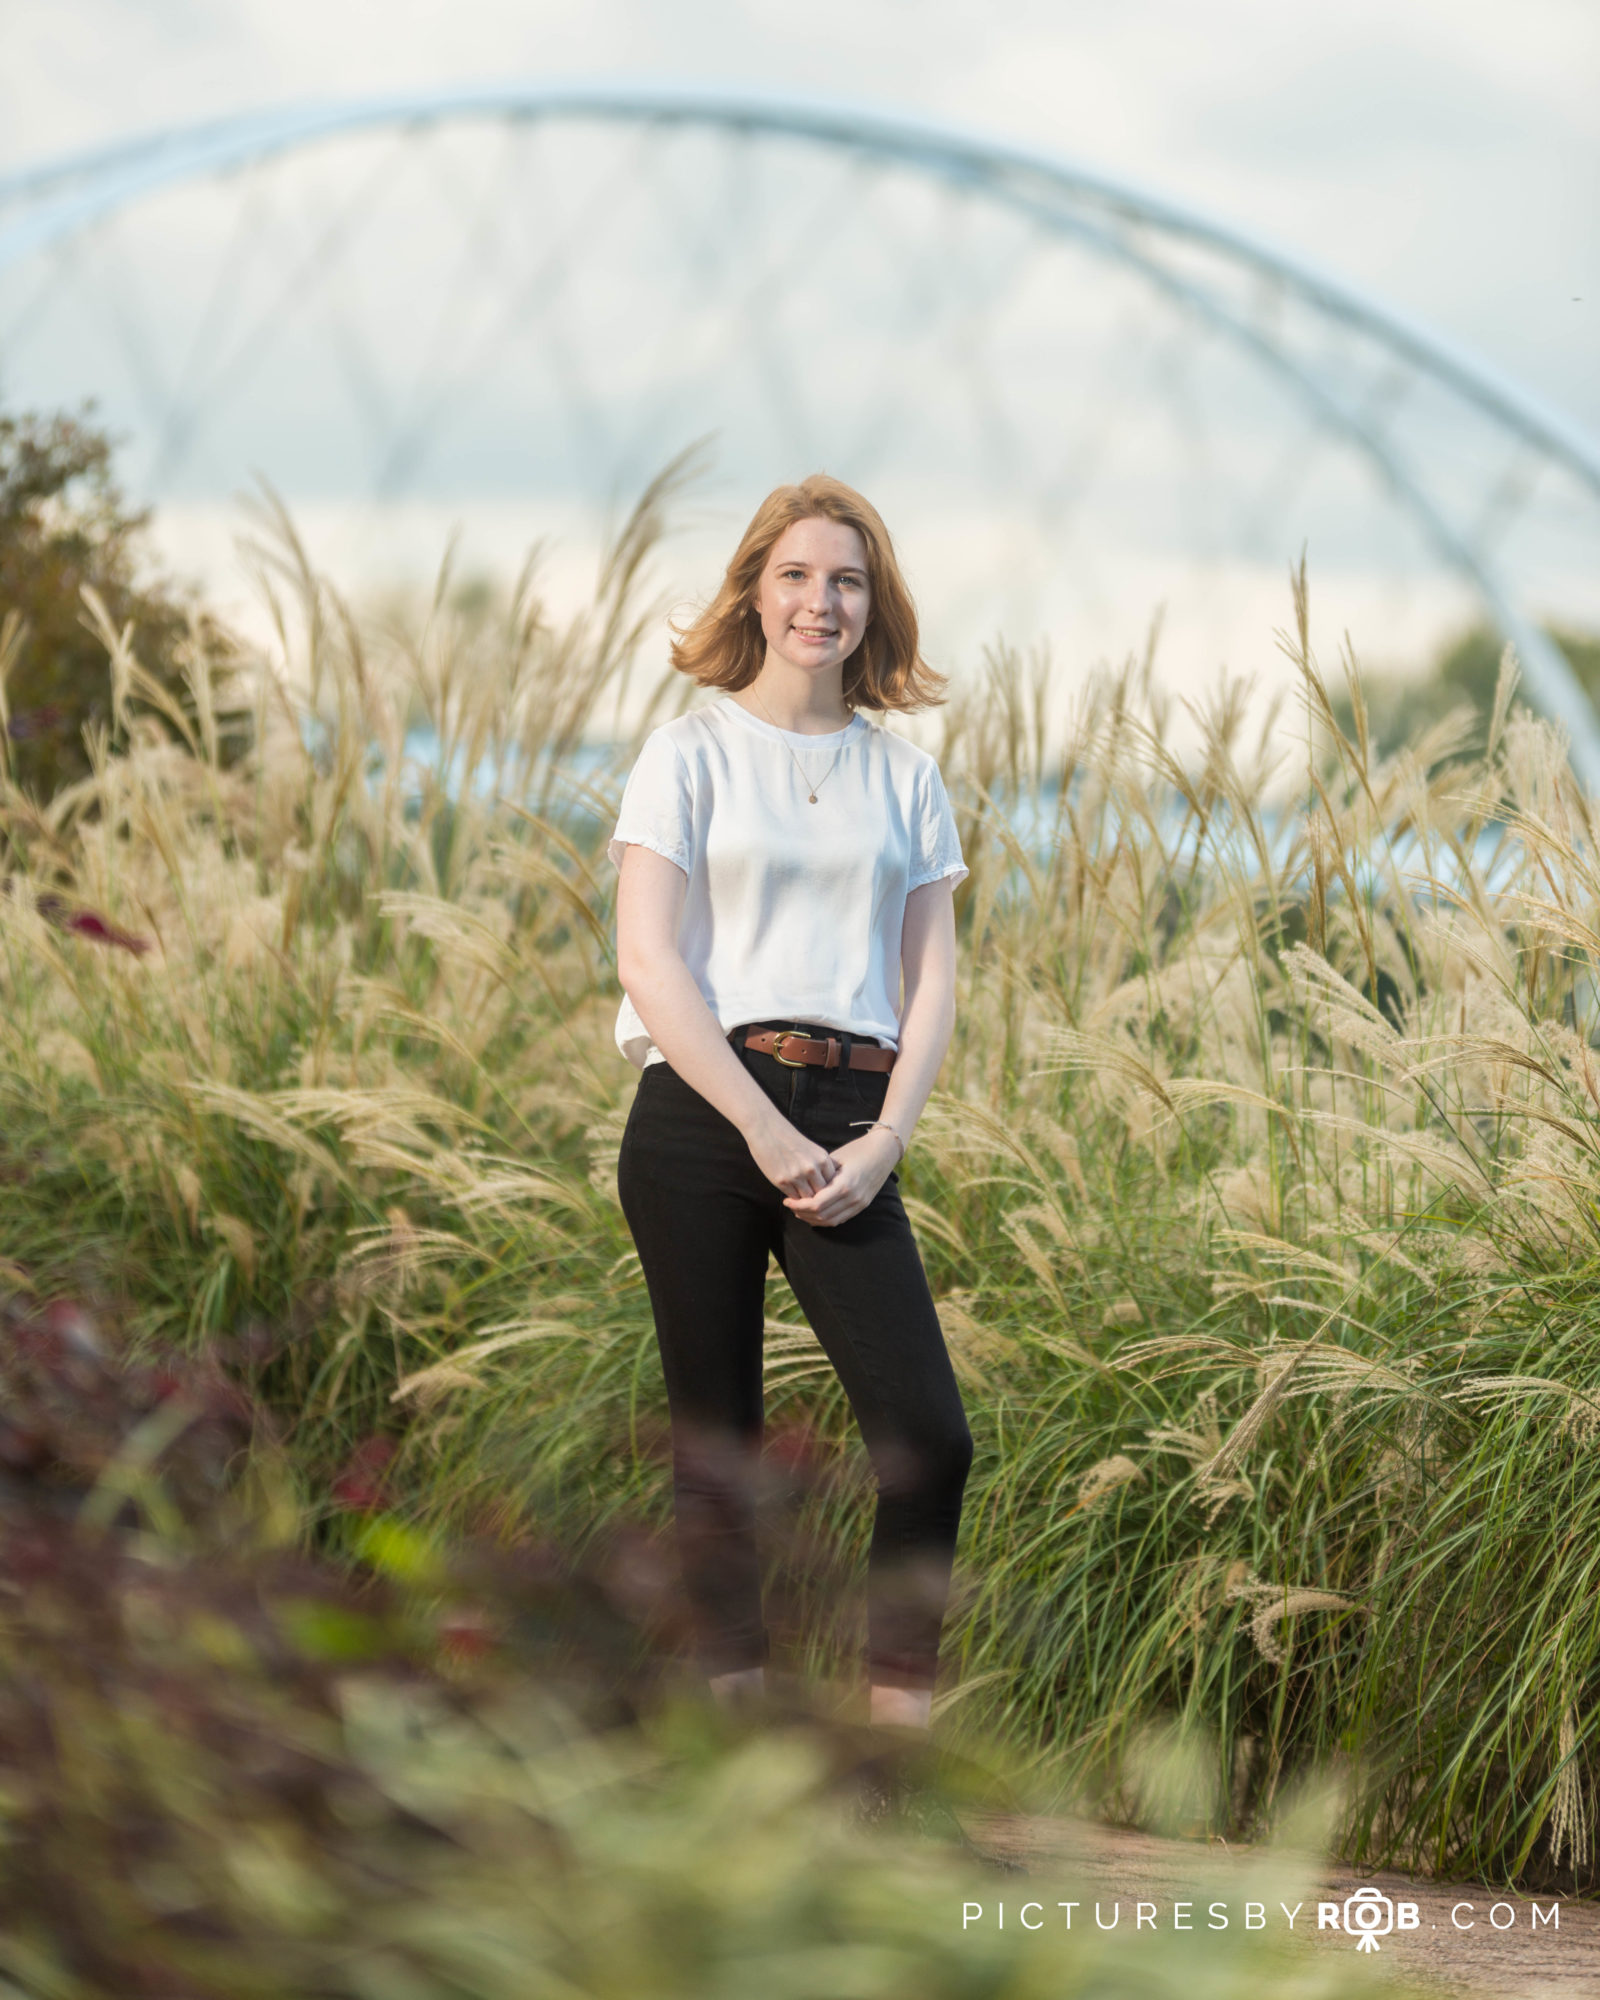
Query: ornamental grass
(1260,1193)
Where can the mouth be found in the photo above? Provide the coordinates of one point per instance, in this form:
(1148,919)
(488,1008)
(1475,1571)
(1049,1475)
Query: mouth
(815,633)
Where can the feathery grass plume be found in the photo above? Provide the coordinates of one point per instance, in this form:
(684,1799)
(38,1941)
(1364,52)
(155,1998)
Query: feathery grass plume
(1272,1604)
(1106,1477)
(1570,1821)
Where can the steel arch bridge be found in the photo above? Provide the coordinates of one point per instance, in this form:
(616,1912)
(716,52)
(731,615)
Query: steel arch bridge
(1494,489)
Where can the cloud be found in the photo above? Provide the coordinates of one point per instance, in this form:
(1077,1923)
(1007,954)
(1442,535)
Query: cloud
(1370,109)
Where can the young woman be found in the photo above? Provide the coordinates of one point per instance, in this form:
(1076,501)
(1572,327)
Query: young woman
(785,866)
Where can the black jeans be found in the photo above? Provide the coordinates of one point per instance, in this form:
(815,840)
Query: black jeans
(704,1219)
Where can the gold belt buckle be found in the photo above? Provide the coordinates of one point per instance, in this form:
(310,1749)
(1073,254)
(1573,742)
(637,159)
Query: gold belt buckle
(778,1040)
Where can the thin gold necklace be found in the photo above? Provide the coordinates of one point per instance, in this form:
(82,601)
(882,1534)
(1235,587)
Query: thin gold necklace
(811,789)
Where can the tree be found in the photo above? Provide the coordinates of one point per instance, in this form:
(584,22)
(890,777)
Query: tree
(1401,707)
(64,525)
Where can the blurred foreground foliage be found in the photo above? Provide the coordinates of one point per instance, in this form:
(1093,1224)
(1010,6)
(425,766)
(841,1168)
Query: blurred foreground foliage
(233,1770)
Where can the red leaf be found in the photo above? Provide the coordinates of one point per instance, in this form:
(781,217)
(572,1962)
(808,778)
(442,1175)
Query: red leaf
(794,1449)
(90,924)
(464,1637)
(360,1484)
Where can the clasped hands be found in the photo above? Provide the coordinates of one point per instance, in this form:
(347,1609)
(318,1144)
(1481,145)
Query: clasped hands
(820,1187)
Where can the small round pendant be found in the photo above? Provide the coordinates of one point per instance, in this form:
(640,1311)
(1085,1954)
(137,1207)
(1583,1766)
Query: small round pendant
(812,800)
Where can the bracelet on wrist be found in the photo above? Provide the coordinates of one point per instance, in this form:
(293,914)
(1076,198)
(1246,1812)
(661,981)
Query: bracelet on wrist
(887,1127)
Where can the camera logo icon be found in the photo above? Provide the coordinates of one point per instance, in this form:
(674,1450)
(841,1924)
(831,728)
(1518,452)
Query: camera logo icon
(1369,1915)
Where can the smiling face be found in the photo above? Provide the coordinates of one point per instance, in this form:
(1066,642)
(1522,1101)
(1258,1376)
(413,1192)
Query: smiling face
(814,598)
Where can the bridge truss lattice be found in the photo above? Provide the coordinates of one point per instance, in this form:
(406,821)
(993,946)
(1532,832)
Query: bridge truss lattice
(1075,389)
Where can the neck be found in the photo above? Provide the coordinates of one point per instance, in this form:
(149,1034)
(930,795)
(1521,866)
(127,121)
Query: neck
(791,698)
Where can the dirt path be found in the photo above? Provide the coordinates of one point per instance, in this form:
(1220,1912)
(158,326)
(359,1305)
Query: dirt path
(1467,1940)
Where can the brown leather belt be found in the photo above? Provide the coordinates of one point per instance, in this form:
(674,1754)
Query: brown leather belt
(795,1050)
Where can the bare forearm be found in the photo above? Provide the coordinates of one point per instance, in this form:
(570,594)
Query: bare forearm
(926,1025)
(688,1034)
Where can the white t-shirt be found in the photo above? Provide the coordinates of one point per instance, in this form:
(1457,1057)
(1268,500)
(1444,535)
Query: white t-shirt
(791,909)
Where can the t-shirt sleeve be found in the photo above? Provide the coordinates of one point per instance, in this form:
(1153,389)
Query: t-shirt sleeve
(935,844)
(657,809)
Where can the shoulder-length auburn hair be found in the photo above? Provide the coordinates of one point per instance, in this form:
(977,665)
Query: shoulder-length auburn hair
(724,646)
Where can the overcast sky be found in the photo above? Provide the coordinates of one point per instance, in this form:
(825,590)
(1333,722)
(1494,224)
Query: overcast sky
(1444,153)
